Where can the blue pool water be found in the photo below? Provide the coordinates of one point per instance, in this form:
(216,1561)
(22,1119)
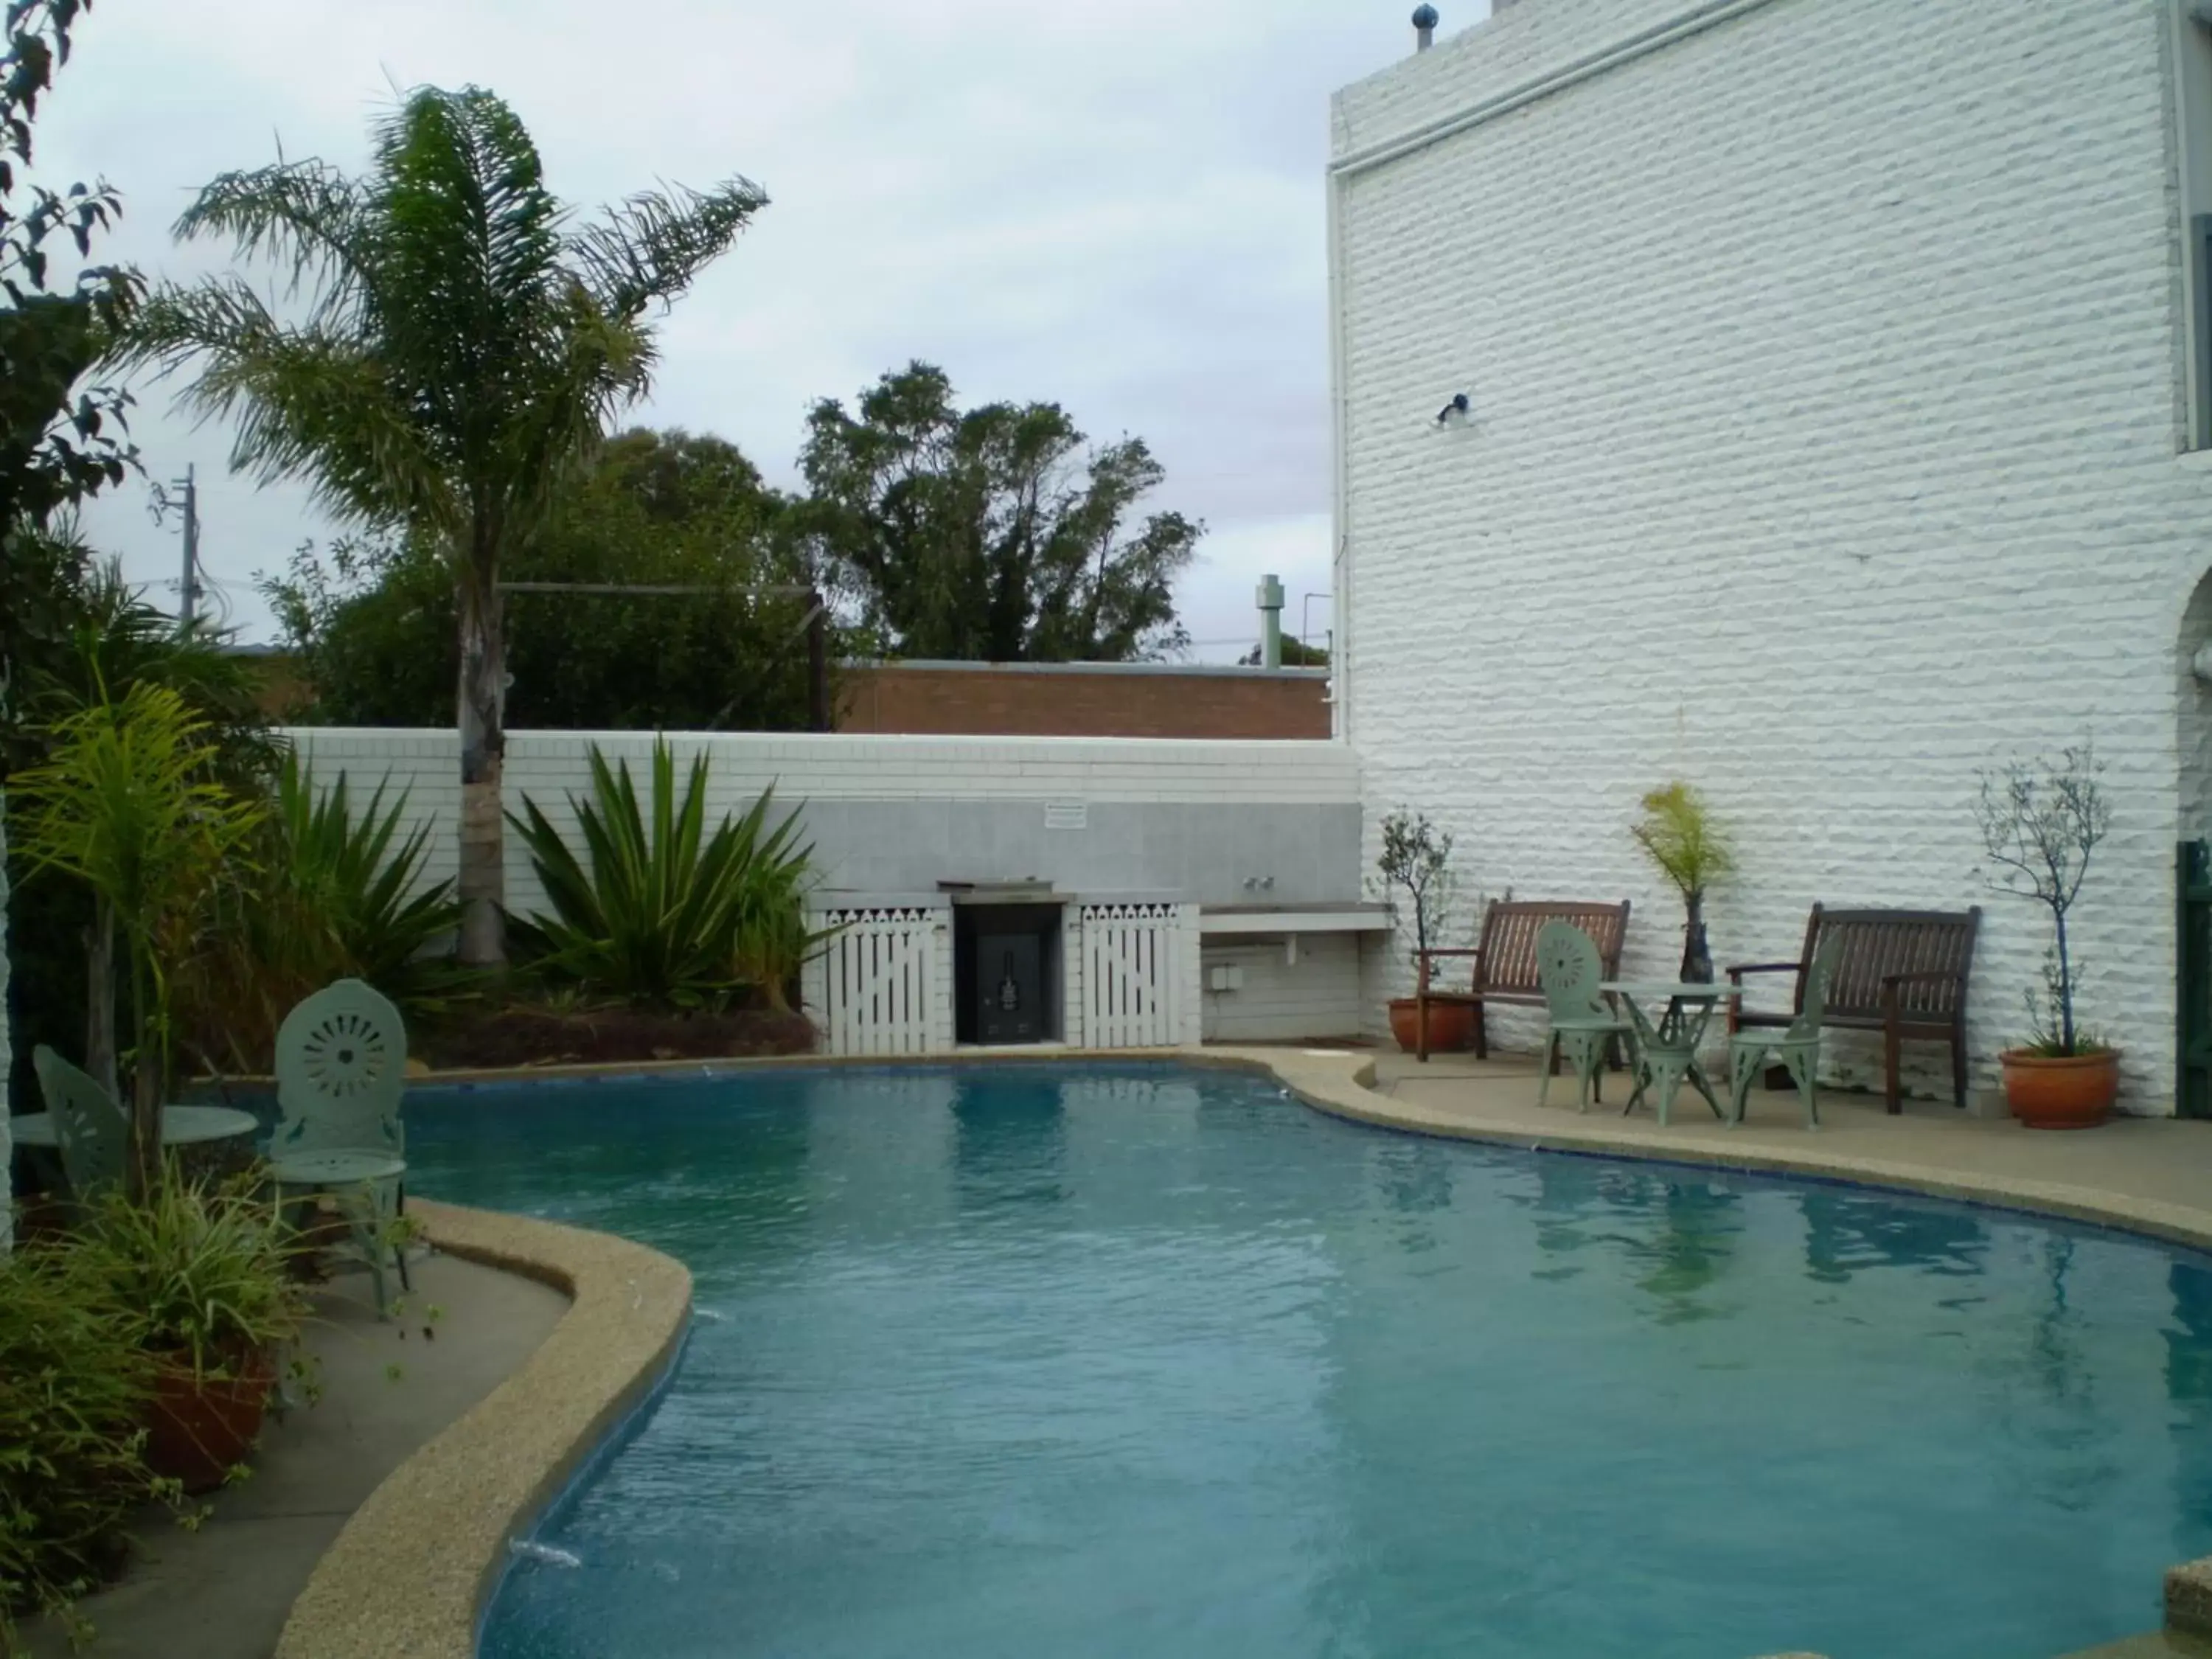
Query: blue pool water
(1026,1363)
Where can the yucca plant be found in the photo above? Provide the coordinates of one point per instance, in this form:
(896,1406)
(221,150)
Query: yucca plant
(338,892)
(130,803)
(667,913)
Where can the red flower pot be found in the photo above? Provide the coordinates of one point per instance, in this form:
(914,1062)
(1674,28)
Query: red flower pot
(200,1425)
(2061,1091)
(1450,1024)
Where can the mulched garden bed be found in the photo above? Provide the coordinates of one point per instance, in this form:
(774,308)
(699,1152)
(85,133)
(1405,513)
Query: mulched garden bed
(522,1035)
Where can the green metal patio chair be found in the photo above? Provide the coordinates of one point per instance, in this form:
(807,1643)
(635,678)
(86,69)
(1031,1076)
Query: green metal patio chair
(1582,1027)
(1797,1047)
(340,1075)
(92,1131)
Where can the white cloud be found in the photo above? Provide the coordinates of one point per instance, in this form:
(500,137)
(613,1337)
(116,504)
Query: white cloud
(1117,205)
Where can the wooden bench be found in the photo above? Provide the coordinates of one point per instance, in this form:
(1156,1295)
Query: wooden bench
(1505,958)
(1902,973)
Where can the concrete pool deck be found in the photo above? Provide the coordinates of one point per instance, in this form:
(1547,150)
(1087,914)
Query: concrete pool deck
(223,1591)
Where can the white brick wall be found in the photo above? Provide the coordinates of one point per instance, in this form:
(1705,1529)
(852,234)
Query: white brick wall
(1826,376)
(1316,996)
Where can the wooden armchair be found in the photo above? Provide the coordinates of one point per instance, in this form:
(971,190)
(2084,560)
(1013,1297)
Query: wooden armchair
(1505,959)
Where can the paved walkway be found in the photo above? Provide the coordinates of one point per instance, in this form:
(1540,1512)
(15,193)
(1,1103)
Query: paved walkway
(2141,1165)
(224,1592)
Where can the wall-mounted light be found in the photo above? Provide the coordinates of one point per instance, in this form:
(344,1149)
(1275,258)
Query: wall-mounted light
(1455,412)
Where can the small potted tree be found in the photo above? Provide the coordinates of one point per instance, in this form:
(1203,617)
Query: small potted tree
(1678,836)
(1416,863)
(2040,824)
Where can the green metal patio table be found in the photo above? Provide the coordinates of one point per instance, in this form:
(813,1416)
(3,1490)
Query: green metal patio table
(1667,1045)
(181,1126)
(210,1142)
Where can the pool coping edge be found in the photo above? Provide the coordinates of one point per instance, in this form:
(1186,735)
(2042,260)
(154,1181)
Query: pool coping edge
(412,1571)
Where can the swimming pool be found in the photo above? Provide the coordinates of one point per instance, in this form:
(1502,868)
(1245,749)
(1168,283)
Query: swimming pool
(1066,1362)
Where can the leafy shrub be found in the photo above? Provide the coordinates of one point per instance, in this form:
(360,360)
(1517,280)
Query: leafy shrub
(203,1271)
(667,913)
(337,892)
(73,1387)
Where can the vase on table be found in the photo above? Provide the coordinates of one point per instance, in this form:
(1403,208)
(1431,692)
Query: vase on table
(1697,955)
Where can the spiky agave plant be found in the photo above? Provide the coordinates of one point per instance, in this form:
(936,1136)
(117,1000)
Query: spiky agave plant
(666,914)
(337,892)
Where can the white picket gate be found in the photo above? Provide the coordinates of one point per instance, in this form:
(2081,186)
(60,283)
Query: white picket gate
(882,980)
(1133,973)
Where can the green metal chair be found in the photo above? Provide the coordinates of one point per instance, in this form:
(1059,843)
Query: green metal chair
(340,1075)
(91,1130)
(1797,1047)
(1582,1027)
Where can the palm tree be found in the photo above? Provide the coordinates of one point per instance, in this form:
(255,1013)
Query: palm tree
(457,346)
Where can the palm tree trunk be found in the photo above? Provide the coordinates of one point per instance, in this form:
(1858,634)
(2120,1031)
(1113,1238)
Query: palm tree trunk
(483,704)
(7,1051)
(148,1081)
(99,998)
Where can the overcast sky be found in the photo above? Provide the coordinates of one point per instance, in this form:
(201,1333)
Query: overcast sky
(1114,204)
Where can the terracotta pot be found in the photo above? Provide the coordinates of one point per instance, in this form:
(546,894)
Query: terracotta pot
(1450,1024)
(201,1426)
(2074,1091)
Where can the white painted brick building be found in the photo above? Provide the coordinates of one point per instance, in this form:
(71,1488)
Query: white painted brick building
(1833,435)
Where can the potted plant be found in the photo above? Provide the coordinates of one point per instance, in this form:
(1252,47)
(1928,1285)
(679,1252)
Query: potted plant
(1416,860)
(2040,824)
(205,1270)
(1678,836)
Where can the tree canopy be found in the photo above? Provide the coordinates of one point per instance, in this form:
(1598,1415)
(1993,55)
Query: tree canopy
(59,440)
(371,622)
(993,533)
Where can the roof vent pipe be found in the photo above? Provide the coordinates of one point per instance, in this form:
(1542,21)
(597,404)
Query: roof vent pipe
(1270,597)
(1425,27)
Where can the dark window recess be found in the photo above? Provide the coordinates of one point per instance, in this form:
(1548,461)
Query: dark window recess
(1006,967)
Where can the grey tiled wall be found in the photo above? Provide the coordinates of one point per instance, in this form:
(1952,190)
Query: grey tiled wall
(1200,852)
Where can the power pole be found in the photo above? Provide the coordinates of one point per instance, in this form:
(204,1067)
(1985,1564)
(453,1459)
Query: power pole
(188,591)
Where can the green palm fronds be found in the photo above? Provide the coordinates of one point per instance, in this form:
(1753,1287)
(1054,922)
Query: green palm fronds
(1678,835)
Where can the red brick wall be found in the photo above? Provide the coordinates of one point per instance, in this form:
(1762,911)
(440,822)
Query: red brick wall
(1081,702)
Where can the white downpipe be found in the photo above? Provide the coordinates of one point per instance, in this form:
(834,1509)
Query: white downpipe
(1695,21)
(1340,581)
